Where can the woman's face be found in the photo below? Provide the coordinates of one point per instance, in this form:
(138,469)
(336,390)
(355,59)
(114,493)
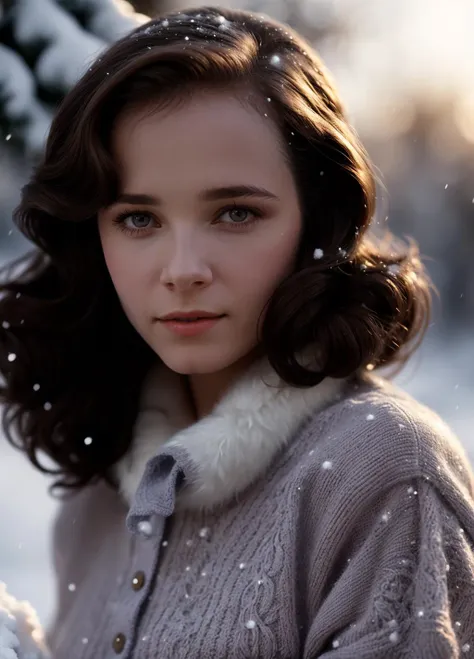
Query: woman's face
(210,221)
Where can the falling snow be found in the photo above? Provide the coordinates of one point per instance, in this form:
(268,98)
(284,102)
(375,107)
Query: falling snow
(88,441)
(275,59)
(250,624)
(11,357)
(5,324)
(72,587)
(36,387)
(370,417)
(327,464)
(47,406)
(318,253)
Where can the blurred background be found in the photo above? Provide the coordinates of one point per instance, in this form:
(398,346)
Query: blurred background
(405,69)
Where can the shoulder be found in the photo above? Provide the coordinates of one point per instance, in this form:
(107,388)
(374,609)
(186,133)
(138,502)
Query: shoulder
(377,436)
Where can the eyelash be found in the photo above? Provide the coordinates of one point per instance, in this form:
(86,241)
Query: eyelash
(120,219)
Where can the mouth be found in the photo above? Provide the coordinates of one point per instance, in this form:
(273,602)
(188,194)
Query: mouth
(190,325)
(190,319)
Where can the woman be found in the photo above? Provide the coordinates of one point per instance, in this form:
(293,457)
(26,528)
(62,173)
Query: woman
(194,345)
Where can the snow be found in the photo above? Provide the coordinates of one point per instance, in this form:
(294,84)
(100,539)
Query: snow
(441,376)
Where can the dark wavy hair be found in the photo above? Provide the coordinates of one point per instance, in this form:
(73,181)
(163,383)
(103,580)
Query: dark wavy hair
(72,363)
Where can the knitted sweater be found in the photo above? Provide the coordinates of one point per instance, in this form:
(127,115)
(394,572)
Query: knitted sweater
(335,521)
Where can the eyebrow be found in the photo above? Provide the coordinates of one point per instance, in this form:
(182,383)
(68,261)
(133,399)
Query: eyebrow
(211,194)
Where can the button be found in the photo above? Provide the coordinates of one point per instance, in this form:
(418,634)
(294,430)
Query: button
(138,580)
(119,643)
(145,528)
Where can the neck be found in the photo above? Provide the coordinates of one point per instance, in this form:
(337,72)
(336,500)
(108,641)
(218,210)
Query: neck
(207,389)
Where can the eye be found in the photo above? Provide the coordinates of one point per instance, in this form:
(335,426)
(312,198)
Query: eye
(240,215)
(135,222)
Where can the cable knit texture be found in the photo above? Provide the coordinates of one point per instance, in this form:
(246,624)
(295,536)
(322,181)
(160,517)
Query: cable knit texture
(352,537)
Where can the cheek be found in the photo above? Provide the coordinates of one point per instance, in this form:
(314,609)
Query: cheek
(265,266)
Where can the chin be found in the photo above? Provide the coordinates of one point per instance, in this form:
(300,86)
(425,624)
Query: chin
(197,362)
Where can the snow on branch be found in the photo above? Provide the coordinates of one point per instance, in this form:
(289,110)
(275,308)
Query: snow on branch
(48,45)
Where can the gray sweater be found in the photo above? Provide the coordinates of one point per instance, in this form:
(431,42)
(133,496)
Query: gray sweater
(331,522)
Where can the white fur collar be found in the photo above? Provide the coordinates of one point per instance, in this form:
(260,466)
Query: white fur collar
(231,446)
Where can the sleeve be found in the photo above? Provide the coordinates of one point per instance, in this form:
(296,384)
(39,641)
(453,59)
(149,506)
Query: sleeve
(407,588)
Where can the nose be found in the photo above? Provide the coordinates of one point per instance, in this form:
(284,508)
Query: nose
(186,267)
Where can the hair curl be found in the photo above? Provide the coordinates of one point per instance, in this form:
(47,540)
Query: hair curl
(72,363)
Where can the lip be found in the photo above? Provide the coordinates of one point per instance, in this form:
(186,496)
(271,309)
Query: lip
(191,327)
(195,313)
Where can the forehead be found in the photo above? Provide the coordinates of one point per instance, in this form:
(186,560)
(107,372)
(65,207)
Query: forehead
(208,133)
